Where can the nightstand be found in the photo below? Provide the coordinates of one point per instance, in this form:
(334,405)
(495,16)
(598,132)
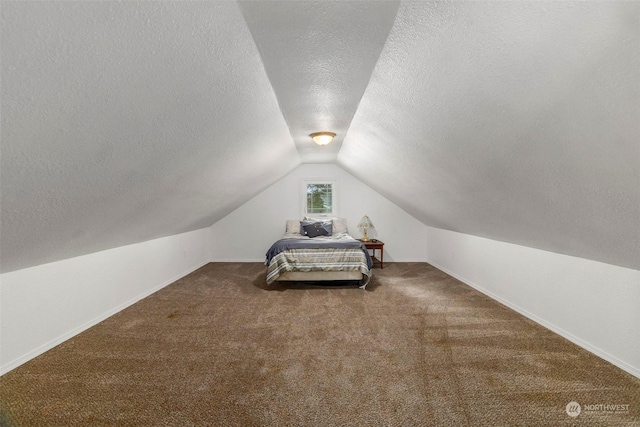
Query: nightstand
(374,245)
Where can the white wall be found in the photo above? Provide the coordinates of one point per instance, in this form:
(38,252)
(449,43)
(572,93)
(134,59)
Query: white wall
(42,306)
(593,304)
(246,234)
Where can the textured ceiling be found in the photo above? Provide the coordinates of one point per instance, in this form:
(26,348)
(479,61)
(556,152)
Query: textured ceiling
(515,121)
(319,57)
(127,121)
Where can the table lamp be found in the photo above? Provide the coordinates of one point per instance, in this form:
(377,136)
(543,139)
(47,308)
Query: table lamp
(365,224)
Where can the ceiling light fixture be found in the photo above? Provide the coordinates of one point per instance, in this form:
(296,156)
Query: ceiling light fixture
(322,138)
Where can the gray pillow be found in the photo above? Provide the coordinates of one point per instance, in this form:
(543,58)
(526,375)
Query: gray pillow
(339,224)
(303,223)
(316,229)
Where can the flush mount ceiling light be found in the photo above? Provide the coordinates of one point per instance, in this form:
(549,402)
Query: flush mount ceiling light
(322,138)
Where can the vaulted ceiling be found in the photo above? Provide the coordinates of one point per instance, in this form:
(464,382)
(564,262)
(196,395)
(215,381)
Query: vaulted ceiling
(127,121)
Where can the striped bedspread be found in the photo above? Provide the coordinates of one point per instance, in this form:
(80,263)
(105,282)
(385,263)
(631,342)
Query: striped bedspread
(325,259)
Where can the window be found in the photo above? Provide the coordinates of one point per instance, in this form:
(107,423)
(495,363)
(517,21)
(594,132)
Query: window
(319,197)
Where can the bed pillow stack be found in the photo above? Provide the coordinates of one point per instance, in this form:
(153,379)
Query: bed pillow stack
(332,225)
(339,225)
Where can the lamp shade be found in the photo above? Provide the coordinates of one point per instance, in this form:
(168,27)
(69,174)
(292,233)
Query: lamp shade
(322,138)
(365,223)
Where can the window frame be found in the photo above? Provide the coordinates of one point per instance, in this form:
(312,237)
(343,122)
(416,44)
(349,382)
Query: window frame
(334,197)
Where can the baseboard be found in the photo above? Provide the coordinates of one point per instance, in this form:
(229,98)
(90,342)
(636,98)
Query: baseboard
(51,344)
(585,345)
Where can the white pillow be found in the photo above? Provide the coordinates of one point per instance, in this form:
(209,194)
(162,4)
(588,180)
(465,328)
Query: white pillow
(340,225)
(293,226)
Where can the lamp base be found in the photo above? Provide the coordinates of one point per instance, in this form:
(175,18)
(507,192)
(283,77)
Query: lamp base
(365,238)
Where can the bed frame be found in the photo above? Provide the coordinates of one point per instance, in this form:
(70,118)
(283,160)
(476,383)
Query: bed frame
(312,276)
(323,276)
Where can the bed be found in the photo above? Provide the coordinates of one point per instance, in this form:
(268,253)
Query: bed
(318,250)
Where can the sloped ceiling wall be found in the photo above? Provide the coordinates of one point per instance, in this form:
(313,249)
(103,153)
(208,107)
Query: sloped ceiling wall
(127,121)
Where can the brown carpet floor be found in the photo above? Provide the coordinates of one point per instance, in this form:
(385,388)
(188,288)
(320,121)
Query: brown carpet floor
(416,348)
